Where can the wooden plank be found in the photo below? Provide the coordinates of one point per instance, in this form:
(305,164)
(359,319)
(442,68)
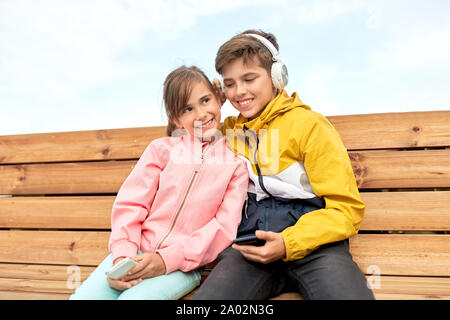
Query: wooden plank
(388,287)
(54,247)
(402,169)
(406,211)
(391,288)
(90,212)
(384,211)
(43,271)
(394,130)
(393,296)
(373,169)
(23,295)
(392,254)
(402,254)
(64,178)
(50,286)
(128,143)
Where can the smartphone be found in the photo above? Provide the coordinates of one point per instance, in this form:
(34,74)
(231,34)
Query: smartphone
(251,240)
(121,268)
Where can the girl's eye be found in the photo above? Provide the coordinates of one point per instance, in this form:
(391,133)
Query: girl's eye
(249,79)
(205,101)
(187,109)
(228,85)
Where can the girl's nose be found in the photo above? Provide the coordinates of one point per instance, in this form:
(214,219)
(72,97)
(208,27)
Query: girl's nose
(201,114)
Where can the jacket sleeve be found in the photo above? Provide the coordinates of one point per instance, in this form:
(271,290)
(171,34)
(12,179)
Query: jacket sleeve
(204,244)
(330,173)
(132,204)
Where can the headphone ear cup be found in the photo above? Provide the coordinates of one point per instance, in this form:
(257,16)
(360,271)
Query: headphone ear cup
(279,75)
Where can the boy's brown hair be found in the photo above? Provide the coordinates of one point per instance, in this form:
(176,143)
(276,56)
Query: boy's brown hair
(246,47)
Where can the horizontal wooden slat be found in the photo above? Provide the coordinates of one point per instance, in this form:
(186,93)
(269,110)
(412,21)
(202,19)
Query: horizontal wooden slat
(24,295)
(392,254)
(405,254)
(53,247)
(394,130)
(402,169)
(127,143)
(90,212)
(64,178)
(406,211)
(44,281)
(43,271)
(387,287)
(47,286)
(373,169)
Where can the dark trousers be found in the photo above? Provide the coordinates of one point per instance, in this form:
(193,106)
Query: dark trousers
(327,273)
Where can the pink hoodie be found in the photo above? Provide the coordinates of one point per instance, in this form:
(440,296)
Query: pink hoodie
(181,201)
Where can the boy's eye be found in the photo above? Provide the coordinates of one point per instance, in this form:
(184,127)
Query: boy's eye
(249,79)
(228,85)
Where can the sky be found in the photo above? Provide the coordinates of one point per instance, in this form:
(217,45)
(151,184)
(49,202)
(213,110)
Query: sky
(69,65)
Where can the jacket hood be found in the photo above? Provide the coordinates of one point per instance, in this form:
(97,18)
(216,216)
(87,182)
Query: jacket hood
(281,104)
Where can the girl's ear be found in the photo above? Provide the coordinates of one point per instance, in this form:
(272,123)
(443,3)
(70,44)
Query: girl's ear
(177,124)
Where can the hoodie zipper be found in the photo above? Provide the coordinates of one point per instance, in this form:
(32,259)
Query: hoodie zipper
(179,209)
(191,182)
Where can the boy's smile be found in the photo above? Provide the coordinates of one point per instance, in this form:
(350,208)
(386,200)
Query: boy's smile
(248,86)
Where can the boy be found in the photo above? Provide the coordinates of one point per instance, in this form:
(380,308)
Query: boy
(303,200)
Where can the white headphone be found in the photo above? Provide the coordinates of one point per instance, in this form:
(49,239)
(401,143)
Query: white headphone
(279,71)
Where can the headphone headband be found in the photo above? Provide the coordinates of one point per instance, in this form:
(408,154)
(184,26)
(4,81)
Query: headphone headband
(268,45)
(279,71)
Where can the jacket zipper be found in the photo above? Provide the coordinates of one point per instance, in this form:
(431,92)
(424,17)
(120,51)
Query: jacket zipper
(179,209)
(191,182)
(245,207)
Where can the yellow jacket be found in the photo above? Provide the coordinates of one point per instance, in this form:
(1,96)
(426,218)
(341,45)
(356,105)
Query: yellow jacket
(301,156)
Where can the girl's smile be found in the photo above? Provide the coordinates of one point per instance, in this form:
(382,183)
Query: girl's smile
(201,116)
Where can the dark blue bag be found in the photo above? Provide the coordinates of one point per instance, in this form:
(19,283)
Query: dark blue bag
(274,213)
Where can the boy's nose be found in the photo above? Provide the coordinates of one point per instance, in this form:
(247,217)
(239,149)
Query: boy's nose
(240,89)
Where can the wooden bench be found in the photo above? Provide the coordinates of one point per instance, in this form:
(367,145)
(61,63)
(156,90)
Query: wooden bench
(57,190)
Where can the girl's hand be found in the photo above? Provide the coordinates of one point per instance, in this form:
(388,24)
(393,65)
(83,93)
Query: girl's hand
(219,92)
(150,265)
(273,250)
(120,284)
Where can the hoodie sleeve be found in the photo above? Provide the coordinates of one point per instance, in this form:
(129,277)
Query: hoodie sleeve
(329,170)
(204,244)
(132,204)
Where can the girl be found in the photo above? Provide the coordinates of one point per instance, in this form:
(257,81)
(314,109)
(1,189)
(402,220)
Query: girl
(181,204)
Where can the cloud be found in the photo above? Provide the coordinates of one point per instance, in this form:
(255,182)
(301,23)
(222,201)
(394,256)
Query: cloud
(318,89)
(63,47)
(320,11)
(413,51)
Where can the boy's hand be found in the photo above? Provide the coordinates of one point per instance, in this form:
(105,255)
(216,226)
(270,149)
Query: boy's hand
(219,92)
(271,251)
